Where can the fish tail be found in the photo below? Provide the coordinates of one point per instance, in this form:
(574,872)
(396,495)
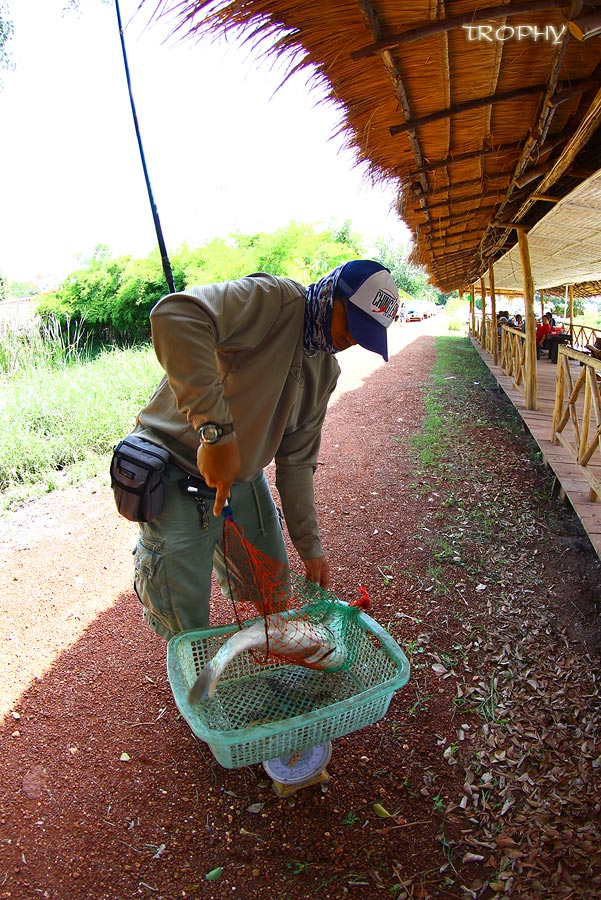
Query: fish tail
(204,686)
(245,639)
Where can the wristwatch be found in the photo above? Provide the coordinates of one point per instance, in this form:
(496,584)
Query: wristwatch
(211,432)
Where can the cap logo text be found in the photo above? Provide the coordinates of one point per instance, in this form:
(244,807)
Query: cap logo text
(384,304)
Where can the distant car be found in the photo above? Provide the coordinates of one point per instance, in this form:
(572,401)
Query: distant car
(415,313)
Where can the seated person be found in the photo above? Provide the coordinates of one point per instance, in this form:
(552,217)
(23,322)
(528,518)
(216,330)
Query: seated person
(551,318)
(501,320)
(543,330)
(518,322)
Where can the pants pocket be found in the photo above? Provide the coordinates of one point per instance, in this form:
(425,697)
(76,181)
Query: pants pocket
(150,582)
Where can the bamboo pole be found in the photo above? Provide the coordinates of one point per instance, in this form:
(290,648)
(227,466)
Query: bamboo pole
(542,305)
(473,308)
(586,26)
(474,154)
(571,295)
(559,392)
(453,200)
(566,158)
(483,295)
(493,311)
(564,91)
(586,418)
(530,358)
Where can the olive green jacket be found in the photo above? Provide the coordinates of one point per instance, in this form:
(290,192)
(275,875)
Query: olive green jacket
(233,352)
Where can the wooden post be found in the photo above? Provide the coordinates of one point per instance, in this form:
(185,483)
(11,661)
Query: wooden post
(560,380)
(530,357)
(571,290)
(542,305)
(473,308)
(470,323)
(483,295)
(493,312)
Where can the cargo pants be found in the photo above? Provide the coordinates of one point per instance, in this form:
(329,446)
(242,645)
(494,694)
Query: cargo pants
(177,552)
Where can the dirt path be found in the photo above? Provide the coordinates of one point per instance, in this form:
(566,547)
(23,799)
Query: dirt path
(65,558)
(106,795)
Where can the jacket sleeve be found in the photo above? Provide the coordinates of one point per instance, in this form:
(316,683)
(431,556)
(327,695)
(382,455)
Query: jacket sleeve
(188,327)
(297,456)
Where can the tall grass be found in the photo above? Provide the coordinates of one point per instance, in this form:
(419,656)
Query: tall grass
(43,345)
(62,411)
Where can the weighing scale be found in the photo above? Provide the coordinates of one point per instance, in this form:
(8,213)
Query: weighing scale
(299,770)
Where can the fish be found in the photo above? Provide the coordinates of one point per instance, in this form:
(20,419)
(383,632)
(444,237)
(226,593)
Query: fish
(315,644)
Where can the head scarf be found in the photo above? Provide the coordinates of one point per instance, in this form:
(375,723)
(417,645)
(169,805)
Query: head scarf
(319,302)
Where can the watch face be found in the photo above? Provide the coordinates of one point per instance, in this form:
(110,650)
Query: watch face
(210,433)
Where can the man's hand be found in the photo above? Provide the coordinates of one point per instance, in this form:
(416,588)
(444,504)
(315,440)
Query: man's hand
(318,571)
(219,465)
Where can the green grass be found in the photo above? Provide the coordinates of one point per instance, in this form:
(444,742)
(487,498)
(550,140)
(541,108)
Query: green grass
(60,416)
(63,409)
(458,377)
(43,346)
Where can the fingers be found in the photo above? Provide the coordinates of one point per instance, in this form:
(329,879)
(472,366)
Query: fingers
(221,498)
(219,465)
(318,571)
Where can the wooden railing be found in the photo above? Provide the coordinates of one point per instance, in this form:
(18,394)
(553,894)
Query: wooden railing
(578,405)
(513,354)
(476,330)
(580,337)
(491,336)
(583,335)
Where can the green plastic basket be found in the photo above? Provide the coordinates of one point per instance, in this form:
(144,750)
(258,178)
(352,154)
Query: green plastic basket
(261,711)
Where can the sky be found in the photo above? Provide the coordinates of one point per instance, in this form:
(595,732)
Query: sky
(225,149)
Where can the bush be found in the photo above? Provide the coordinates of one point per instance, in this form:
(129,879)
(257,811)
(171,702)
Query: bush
(112,300)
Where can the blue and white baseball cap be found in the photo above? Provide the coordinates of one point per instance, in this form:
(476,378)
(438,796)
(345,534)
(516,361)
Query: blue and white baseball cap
(372,302)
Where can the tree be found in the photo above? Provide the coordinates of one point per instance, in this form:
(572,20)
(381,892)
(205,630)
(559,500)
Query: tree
(17,290)
(6,32)
(112,298)
(296,251)
(409,278)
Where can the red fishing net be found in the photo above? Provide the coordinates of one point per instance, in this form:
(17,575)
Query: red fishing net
(303,622)
(256,582)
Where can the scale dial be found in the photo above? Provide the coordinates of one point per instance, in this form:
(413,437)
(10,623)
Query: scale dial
(299,767)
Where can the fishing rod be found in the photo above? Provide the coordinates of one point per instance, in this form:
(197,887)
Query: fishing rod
(155,215)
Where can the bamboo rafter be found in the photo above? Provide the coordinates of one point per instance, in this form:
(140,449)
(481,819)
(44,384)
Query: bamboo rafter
(419,32)
(490,100)
(373,25)
(465,157)
(467,198)
(454,186)
(589,125)
(566,92)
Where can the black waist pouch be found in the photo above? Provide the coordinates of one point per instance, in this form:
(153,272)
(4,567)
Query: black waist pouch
(136,469)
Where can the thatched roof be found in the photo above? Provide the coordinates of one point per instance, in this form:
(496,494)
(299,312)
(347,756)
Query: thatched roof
(478,120)
(565,245)
(591,289)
